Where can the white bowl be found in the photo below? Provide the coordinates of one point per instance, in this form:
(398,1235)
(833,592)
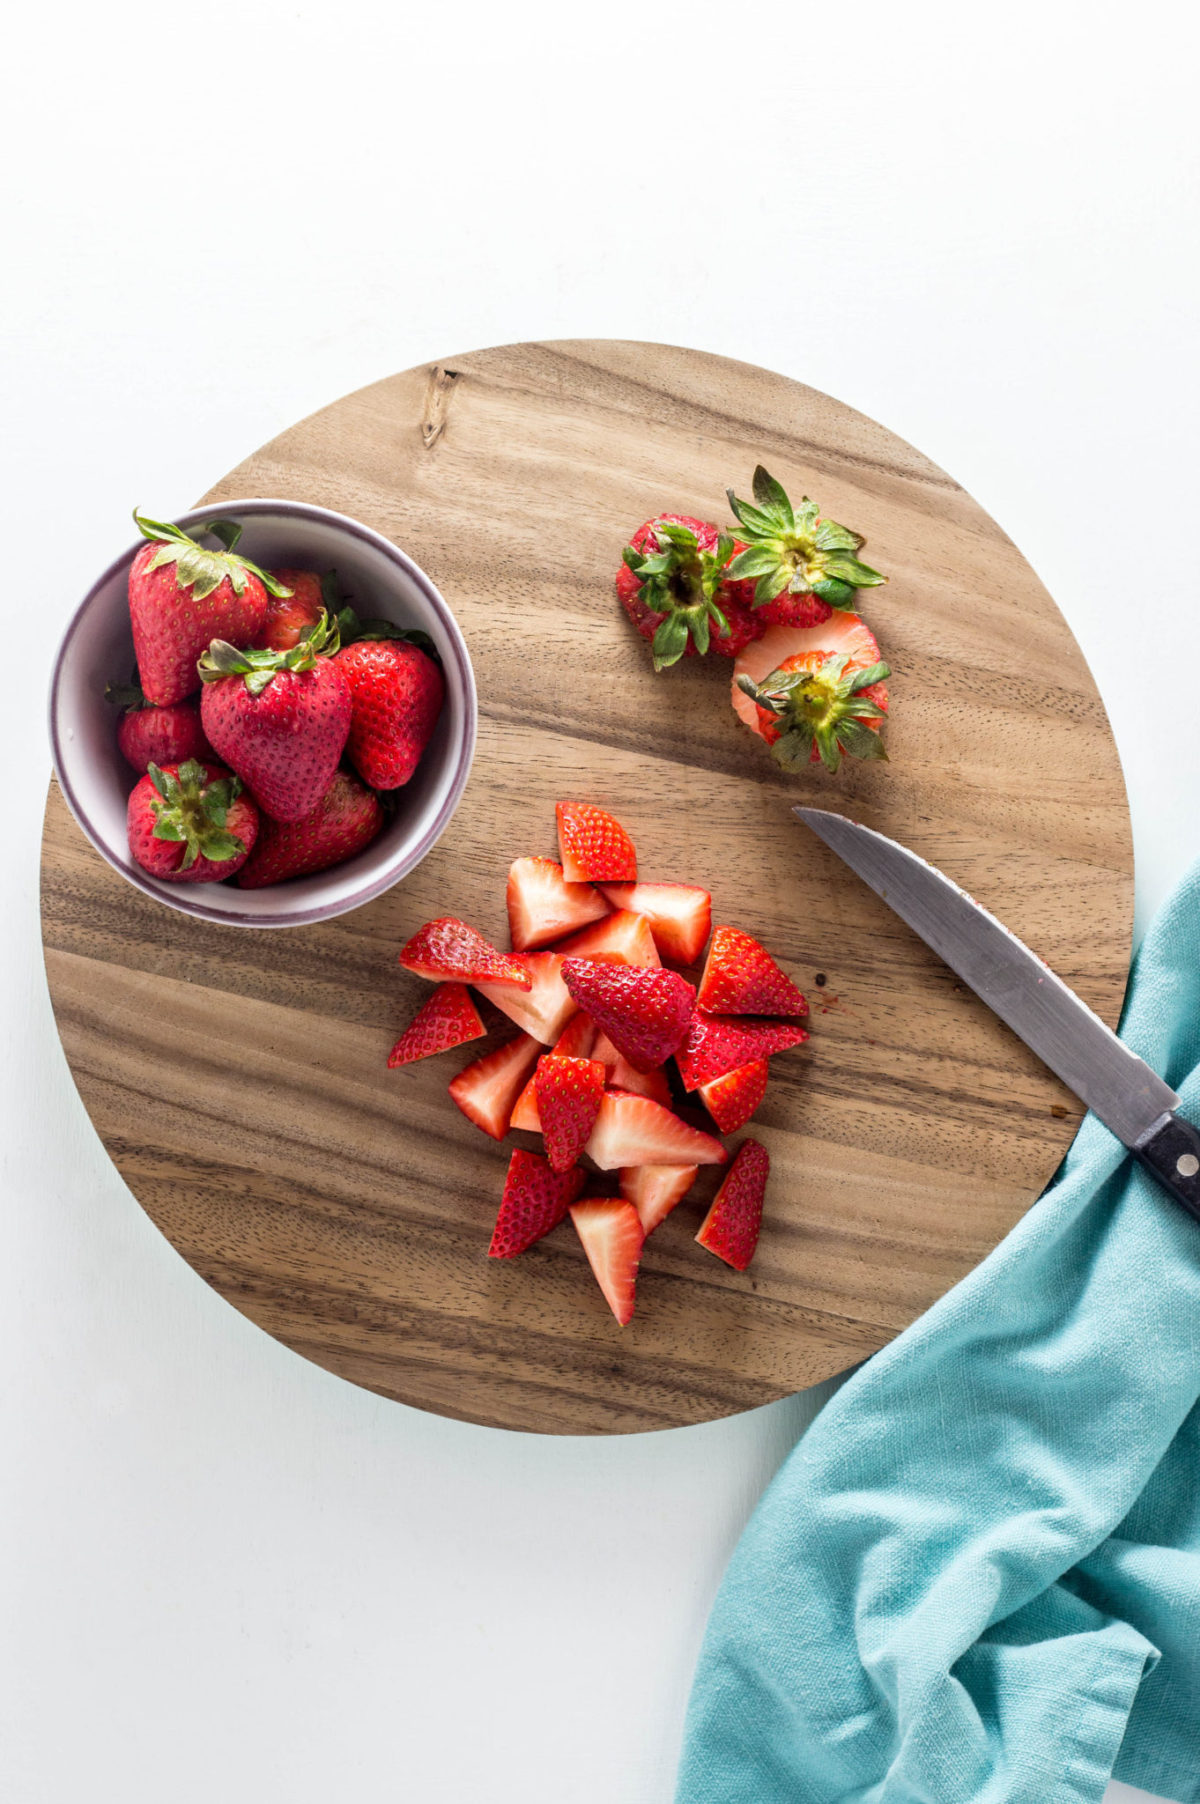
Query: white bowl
(380,581)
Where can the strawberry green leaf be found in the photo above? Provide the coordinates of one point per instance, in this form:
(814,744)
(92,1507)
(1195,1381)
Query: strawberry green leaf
(771,585)
(700,633)
(772,497)
(670,641)
(197,568)
(756,560)
(829,536)
(165,828)
(838,594)
(849,570)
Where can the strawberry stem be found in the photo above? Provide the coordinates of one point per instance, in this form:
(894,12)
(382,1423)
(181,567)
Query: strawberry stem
(260,668)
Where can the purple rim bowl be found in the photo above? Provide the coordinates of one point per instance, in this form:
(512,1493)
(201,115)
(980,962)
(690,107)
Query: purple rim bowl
(381,581)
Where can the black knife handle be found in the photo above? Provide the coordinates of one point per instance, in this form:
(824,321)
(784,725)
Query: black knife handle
(1171,1150)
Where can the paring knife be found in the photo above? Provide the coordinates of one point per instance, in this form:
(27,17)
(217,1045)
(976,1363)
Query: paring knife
(1120,1088)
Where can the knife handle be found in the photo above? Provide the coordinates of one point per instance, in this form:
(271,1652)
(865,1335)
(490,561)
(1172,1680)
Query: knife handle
(1171,1150)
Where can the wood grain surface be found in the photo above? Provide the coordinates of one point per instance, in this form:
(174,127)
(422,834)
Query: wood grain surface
(237,1078)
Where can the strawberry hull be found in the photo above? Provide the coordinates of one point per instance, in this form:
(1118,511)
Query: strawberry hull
(172,628)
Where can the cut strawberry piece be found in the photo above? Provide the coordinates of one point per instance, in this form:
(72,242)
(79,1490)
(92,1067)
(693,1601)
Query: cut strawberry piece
(623,939)
(612,1239)
(568,1094)
(542,905)
(545,1006)
(644,1013)
(633,1130)
(525,1110)
(447,1018)
(595,848)
(654,1190)
(714,1045)
(730,1229)
(448,948)
(535,1200)
(487,1090)
(732,1099)
(741,978)
(622,1076)
(577,1038)
(679,915)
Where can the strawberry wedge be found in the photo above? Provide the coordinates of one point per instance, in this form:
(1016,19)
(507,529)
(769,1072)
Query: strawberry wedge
(679,915)
(622,1076)
(715,1044)
(633,1130)
(535,1200)
(654,1190)
(741,978)
(542,905)
(446,1019)
(447,949)
(595,848)
(487,1090)
(612,1238)
(569,1093)
(732,1099)
(730,1229)
(644,1013)
(545,1005)
(623,939)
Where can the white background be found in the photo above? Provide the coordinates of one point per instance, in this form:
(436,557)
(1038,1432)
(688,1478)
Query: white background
(227,1574)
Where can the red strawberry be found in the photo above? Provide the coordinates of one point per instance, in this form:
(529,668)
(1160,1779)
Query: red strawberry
(542,905)
(183,596)
(679,915)
(397,692)
(148,735)
(713,1045)
(621,938)
(816,694)
(622,1076)
(280,718)
(290,616)
(448,948)
(730,1229)
(674,587)
(568,1100)
(654,1190)
(547,1006)
(486,1090)
(191,822)
(644,1013)
(535,1200)
(595,848)
(446,1019)
(525,1110)
(741,978)
(612,1239)
(732,1099)
(632,1130)
(575,1042)
(345,821)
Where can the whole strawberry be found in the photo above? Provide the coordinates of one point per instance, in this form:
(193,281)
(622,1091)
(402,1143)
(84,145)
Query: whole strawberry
(148,735)
(801,566)
(191,822)
(396,693)
(292,613)
(345,821)
(280,718)
(674,586)
(182,596)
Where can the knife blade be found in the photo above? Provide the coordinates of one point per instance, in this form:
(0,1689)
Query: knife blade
(1130,1099)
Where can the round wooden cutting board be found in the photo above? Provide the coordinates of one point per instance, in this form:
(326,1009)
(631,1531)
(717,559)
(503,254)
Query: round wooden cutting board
(238,1078)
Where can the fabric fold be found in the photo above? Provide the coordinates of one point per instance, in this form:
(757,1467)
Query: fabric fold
(976,1580)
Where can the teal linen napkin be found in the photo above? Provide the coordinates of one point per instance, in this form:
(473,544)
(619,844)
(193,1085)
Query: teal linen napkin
(976,1580)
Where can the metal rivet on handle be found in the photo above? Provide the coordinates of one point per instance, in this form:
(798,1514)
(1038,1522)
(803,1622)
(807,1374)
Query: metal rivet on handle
(1187,1165)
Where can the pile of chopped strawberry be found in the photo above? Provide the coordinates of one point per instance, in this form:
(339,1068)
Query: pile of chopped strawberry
(776,593)
(614,1040)
(263,718)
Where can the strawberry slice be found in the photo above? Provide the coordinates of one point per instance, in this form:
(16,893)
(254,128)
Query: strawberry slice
(633,1130)
(448,948)
(595,848)
(535,1200)
(612,1239)
(730,1229)
(447,1018)
(486,1090)
(545,1005)
(623,939)
(575,1042)
(542,905)
(622,1076)
(732,1099)
(644,1013)
(679,915)
(741,978)
(654,1190)
(713,1045)
(568,1093)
